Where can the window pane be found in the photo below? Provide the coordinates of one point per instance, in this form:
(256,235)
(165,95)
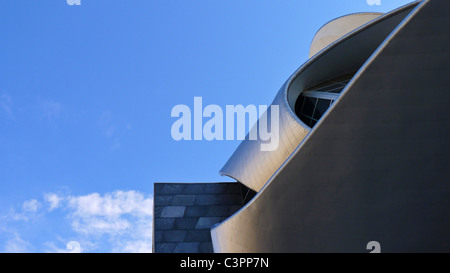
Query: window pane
(299,105)
(337,90)
(309,105)
(305,119)
(322,106)
(333,88)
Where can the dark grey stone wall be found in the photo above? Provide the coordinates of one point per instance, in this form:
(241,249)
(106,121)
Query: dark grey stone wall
(185,212)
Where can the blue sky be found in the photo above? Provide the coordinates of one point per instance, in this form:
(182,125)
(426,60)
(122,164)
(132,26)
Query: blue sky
(86,94)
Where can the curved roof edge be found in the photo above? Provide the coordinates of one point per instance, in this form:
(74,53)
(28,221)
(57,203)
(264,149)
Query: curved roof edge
(253,167)
(339,27)
(218,231)
(287,85)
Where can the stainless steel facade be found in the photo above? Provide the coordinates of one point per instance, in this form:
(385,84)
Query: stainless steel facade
(375,166)
(253,167)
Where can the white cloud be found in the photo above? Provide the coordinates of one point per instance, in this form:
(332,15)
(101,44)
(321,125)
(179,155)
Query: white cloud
(105,119)
(118,221)
(6,104)
(50,109)
(29,211)
(31,205)
(52,248)
(68,246)
(116,144)
(53,200)
(111,130)
(111,204)
(136,247)
(15,244)
(125,217)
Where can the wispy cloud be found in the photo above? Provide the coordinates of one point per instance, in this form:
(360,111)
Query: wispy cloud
(53,200)
(50,109)
(15,244)
(115,144)
(125,217)
(118,221)
(111,130)
(6,104)
(110,213)
(28,211)
(31,205)
(70,247)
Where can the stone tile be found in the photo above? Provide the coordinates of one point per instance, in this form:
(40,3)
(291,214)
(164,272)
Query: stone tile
(220,199)
(218,211)
(195,211)
(191,247)
(185,223)
(206,222)
(233,188)
(205,188)
(163,200)
(165,247)
(172,236)
(164,223)
(195,189)
(183,200)
(206,247)
(158,236)
(168,188)
(206,200)
(229,199)
(157,210)
(184,214)
(215,188)
(234,209)
(198,235)
(173,211)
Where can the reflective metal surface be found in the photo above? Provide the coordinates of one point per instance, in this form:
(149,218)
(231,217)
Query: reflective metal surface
(253,167)
(375,167)
(339,27)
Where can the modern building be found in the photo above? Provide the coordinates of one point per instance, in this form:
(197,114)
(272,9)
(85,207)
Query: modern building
(364,148)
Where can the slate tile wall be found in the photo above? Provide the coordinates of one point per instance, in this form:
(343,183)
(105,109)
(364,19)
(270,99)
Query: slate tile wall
(185,212)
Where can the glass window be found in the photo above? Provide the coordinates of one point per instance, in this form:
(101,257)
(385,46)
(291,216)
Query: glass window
(306,119)
(322,106)
(334,88)
(308,107)
(299,105)
(337,90)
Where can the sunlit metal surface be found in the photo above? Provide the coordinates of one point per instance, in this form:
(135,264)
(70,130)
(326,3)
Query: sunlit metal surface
(253,167)
(375,167)
(339,27)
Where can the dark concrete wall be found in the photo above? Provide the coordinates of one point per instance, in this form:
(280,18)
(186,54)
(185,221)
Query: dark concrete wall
(185,212)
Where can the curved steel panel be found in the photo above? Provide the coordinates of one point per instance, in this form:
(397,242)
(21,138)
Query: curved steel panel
(253,167)
(375,167)
(339,27)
